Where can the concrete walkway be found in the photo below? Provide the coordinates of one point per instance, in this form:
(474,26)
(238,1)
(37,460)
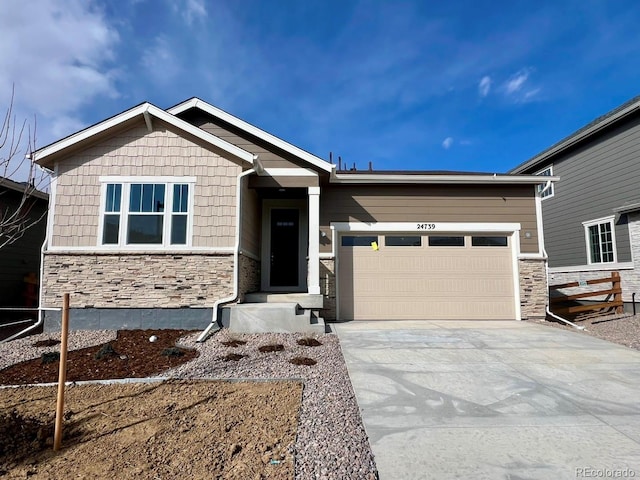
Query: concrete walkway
(494,400)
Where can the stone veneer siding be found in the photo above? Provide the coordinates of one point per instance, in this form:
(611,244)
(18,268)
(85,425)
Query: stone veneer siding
(328,288)
(161,280)
(248,276)
(533,288)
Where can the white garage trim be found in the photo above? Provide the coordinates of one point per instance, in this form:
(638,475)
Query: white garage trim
(511,229)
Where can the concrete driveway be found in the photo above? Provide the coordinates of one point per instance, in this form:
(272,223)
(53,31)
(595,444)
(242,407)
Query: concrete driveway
(494,400)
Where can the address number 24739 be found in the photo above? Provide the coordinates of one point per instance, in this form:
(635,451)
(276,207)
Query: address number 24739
(426,226)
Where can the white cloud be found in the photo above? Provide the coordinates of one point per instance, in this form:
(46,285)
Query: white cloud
(517,81)
(161,60)
(191,10)
(447,142)
(57,54)
(484,86)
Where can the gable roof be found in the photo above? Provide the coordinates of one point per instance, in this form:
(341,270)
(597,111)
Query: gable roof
(253,130)
(608,119)
(44,155)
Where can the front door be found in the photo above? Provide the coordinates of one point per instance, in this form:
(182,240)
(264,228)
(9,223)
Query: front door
(285,233)
(284,249)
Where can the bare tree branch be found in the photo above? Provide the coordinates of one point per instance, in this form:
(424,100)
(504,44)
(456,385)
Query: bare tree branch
(22,182)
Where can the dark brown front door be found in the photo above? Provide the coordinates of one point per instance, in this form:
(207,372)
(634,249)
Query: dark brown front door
(285,237)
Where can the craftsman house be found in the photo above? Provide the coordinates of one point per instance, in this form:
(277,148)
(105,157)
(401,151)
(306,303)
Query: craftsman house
(592,216)
(164,218)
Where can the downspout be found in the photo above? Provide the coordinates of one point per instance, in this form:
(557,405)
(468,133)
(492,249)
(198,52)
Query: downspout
(236,254)
(549,312)
(544,252)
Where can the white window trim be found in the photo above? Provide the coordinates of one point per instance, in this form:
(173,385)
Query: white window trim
(590,223)
(549,186)
(126,182)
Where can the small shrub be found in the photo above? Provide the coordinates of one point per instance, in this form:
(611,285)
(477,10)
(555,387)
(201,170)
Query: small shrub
(172,352)
(274,347)
(302,361)
(105,351)
(309,342)
(50,357)
(232,357)
(234,343)
(49,342)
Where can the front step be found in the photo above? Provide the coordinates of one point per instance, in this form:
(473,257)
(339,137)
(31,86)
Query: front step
(272,318)
(304,300)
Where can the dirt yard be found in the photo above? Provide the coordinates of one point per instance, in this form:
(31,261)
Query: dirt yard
(162,430)
(159,430)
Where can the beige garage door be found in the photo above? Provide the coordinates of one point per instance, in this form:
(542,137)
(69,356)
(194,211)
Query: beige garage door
(404,276)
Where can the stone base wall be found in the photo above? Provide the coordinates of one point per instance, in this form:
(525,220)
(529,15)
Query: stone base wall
(248,276)
(328,288)
(533,288)
(137,280)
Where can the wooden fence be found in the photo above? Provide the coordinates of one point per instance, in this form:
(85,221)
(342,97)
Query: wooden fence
(563,304)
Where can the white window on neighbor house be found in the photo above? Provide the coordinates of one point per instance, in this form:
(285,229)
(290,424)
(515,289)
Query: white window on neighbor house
(546,191)
(146,211)
(601,240)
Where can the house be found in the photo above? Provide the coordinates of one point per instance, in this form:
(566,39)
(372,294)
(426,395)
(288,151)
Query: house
(592,216)
(20,258)
(159,218)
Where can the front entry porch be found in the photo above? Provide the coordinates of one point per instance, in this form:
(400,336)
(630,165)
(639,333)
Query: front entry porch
(288,298)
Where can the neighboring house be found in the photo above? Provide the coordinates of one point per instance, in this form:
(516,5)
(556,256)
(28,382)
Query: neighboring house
(21,258)
(158,217)
(592,215)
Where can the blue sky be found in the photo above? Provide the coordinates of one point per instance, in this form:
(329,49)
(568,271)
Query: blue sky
(417,85)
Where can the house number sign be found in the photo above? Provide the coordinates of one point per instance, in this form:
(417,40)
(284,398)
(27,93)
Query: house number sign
(426,226)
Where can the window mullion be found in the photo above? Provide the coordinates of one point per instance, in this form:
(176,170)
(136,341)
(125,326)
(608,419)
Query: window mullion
(124,214)
(168,209)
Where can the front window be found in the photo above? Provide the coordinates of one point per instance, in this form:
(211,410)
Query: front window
(600,238)
(146,212)
(544,190)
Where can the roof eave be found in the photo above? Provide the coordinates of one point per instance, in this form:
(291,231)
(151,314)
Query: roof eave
(442,179)
(41,155)
(253,130)
(576,138)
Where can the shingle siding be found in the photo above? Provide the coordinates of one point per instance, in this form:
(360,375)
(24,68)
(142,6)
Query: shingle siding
(137,152)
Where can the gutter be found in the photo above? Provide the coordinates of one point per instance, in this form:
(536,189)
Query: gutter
(440,179)
(236,253)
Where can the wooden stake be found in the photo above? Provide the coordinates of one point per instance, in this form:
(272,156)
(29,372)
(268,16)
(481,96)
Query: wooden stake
(62,374)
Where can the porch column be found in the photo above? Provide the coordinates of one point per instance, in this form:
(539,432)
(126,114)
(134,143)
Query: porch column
(313,267)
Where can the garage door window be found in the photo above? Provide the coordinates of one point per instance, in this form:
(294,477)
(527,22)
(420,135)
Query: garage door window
(395,241)
(489,241)
(351,241)
(441,241)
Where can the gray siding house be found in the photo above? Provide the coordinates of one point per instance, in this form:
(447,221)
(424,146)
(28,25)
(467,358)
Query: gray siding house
(173,218)
(592,215)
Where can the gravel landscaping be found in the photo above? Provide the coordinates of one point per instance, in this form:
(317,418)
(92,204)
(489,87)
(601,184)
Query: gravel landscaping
(331,441)
(621,329)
